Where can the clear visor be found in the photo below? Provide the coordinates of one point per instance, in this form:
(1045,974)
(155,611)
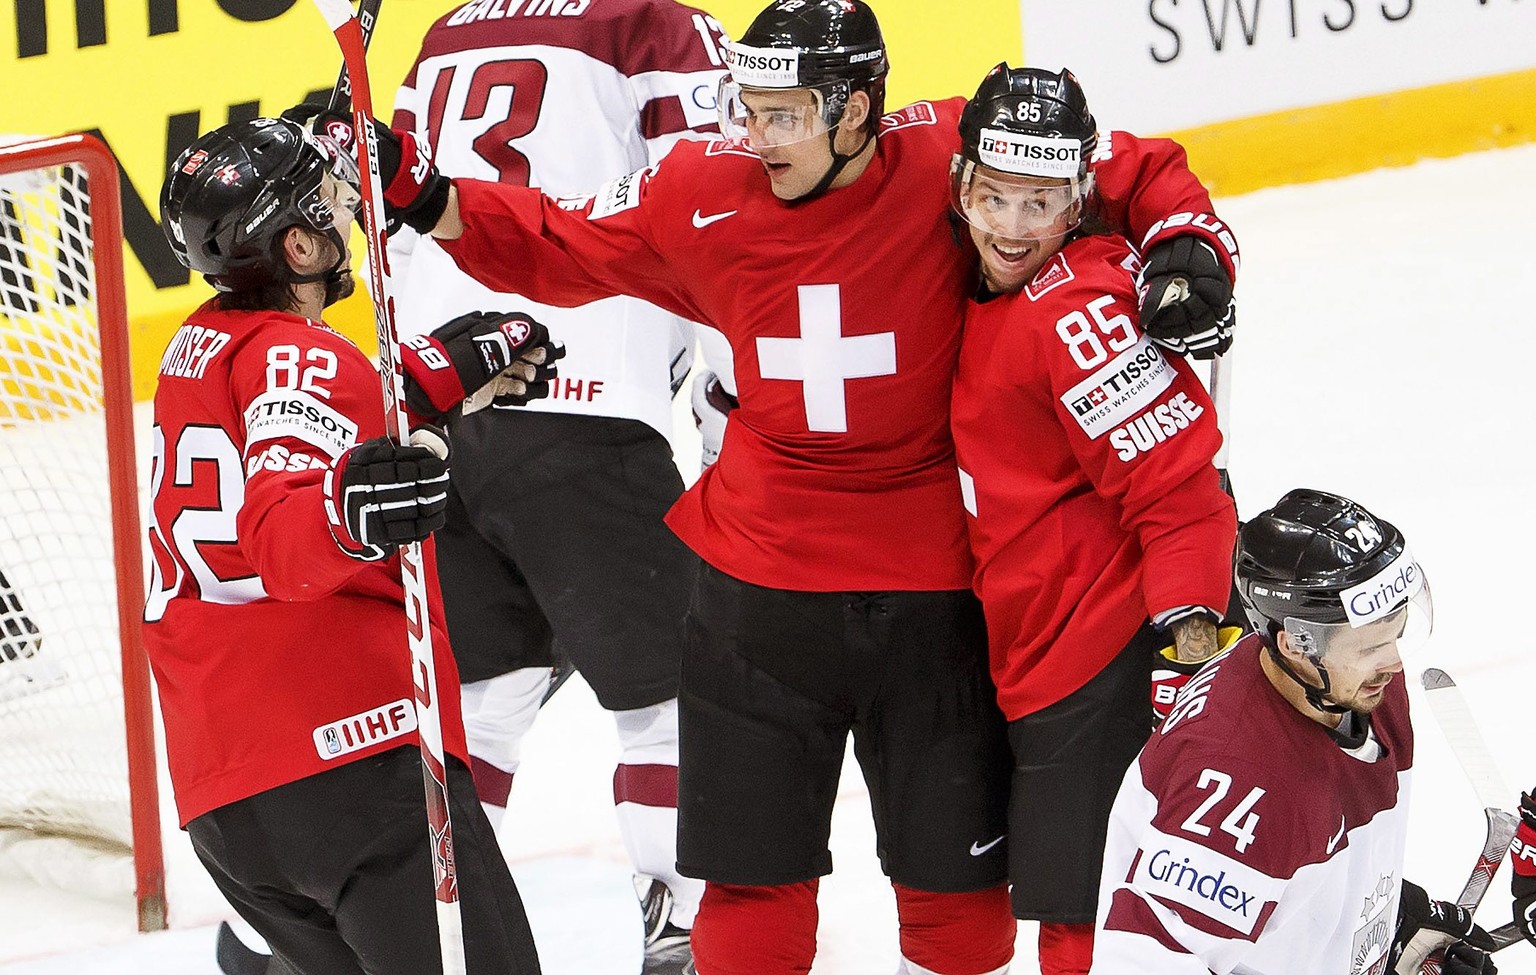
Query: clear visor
(343,165)
(1015,206)
(1373,647)
(772,116)
(333,205)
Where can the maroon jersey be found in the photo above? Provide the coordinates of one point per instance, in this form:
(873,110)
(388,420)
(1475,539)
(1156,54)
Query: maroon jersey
(276,655)
(843,313)
(1249,838)
(1085,462)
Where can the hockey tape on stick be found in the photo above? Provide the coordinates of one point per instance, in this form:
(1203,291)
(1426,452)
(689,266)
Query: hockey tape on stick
(349,37)
(1455,719)
(367,18)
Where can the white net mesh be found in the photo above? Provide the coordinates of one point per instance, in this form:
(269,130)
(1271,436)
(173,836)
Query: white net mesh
(63,763)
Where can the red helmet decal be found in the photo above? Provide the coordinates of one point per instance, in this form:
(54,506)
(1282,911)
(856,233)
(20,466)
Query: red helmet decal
(195,160)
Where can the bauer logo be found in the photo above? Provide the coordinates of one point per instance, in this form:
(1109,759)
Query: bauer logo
(1125,386)
(1384,592)
(1030,155)
(762,67)
(1227,891)
(364,730)
(281,413)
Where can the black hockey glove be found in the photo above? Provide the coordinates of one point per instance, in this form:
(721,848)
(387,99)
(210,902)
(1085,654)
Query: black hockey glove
(380,495)
(1186,298)
(1522,856)
(477,359)
(415,194)
(1425,927)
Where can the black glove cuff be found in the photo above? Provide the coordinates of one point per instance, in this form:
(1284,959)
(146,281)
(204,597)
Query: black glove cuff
(427,209)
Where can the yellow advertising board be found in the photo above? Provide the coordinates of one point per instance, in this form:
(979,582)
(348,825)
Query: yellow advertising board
(148,76)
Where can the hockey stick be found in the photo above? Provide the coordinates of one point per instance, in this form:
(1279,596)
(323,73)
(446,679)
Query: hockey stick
(341,94)
(1505,935)
(1221,395)
(349,36)
(1460,730)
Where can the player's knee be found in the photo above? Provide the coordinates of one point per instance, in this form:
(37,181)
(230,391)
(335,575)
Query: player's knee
(956,934)
(1066,949)
(756,930)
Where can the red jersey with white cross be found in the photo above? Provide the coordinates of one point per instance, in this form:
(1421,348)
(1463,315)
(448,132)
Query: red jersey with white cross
(275,655)
(1085,462)
(843,313)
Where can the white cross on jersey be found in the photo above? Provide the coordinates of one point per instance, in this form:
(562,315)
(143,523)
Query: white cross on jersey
(823,358)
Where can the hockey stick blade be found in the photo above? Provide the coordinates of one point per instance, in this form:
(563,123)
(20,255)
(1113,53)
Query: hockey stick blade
(1456,722)
(1505,935)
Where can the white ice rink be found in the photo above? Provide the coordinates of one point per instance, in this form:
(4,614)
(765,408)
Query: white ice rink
(1386,351)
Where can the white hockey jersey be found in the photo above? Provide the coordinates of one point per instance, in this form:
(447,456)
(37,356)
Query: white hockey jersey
(1247,839)
(564,97)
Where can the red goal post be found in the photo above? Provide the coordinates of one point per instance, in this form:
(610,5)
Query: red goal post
(62,303)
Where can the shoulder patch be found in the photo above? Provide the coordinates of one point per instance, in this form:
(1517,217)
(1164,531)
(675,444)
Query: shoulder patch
(279,413)
(1055,274)
(729,147)
(919,113)
(620,194)
(1118,390)
(1227,891)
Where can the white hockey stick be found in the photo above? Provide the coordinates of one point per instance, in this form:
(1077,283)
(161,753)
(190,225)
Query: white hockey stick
(1460,730)
(1221,395)
(349,36)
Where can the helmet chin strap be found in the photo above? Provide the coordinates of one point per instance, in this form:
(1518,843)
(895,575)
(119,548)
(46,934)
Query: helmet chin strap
(840,162)
(1315,695)
(337,278)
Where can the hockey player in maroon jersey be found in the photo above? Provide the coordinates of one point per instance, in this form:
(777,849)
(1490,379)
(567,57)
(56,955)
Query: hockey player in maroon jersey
(554,539)
(1099,526)
(276,622)
(835,595)
(1261,830)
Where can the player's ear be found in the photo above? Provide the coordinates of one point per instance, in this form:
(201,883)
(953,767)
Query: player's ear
(856,113)
(304,251)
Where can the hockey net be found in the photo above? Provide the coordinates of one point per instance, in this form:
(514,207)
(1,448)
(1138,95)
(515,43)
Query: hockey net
(78,797)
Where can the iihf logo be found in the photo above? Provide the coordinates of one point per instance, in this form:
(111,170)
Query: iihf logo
(332,742)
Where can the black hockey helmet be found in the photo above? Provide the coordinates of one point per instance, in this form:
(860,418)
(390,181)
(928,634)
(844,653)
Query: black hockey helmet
(831,46)
(233,192)
(1308,557)
(1323,569)
(1047,107)
(1026,139)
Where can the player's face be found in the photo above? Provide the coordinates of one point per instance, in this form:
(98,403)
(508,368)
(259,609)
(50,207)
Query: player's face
(1363,661)
(785,128)
(1017,223)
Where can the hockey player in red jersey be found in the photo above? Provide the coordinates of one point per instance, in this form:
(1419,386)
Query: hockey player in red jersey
(1100,529)
(554,541)
(835,595)
(276,622)
(1262,828)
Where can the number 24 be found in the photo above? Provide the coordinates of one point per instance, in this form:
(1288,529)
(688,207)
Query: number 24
(1239,823)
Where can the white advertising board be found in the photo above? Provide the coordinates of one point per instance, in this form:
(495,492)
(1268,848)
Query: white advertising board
(1160,65)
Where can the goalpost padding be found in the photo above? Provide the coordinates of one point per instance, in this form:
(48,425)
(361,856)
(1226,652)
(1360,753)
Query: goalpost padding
(77,772)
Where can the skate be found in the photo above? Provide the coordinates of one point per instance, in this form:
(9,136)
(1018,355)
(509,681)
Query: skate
(667,947)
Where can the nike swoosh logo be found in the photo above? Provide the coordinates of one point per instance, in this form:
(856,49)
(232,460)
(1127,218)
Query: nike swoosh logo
(978,849)
(1336,837)
(701,221)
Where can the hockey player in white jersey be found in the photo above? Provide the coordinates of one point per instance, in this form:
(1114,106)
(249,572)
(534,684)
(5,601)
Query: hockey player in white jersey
(1261,830)
(555,546)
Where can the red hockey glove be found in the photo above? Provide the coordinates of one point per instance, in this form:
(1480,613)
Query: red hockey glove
(415,194)
(1522,856)
(1426,927)
(482,357)
(1186,298)
(380,495)
(1170,674)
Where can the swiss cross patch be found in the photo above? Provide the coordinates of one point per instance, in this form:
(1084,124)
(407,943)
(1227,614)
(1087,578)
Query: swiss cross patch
(516,331)
(194,161)
(228,174)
